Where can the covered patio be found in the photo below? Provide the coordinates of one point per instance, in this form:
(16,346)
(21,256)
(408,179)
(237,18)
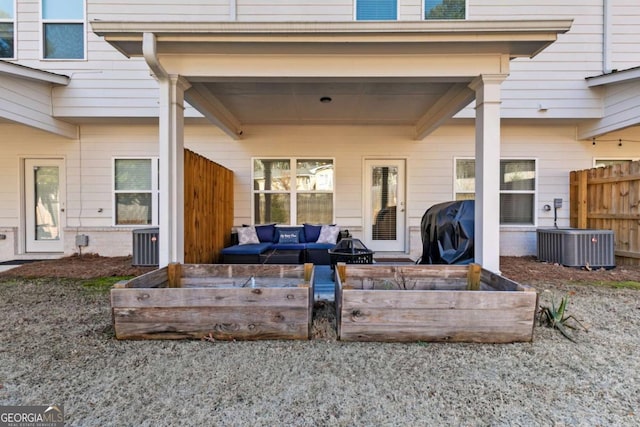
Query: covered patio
(239,74)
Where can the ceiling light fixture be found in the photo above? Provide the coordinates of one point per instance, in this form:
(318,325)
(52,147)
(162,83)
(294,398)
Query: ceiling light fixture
(326,99)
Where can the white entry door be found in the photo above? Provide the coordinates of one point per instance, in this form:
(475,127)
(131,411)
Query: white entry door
(44,204)
(384,222)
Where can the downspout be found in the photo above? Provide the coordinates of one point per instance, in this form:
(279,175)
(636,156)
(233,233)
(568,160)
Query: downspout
(606,37)
(150,53)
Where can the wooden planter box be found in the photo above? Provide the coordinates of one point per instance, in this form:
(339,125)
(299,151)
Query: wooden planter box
(216,300)
(432,303)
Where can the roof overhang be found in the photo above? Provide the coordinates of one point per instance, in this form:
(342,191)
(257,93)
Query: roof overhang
(26,98)
(275,72)
(32,74)
(614,77)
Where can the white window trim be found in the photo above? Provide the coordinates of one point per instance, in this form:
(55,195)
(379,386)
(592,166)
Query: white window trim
(355,12)
(293,202)
(466,12)
(13,21)
(155,191)
(534,192)
(82,21)
(595,159)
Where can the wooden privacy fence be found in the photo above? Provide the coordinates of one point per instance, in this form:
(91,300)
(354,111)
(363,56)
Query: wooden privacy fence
(208,209)
(609,199)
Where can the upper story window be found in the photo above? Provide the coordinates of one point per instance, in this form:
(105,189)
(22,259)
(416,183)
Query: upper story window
(293,191)
(7,29)
(376,10)
(517,188)
(136,191)
(63,29)
(445,9)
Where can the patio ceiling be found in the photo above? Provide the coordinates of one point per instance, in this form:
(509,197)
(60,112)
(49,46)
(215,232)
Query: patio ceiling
(396,73)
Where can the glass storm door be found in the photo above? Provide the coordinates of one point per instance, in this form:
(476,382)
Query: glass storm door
(44,204)
(384,225)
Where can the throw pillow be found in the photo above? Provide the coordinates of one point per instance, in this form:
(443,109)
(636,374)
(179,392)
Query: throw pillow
(266,232)
(329,234)
(312,232)
(247,236)
(288,236)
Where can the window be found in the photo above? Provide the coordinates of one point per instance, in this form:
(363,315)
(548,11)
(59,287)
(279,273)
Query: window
(63,30)
(444,9)
(601,163)
(293,191)
(376,10)
(136,191)
(517,188)
(7,29)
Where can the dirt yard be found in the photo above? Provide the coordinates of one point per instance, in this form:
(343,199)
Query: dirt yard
(521,269)
(57,346)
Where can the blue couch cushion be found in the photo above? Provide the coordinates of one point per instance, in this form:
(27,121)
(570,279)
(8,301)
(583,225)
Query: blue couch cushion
(311,232)
(251,249)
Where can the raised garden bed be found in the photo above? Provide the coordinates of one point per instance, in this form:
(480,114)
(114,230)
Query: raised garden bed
(243,302)
(431,303)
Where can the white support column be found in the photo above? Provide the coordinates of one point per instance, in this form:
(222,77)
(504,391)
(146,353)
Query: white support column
(487,204)
(171,138)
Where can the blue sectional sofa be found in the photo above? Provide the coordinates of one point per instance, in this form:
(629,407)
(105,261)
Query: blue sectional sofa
(282,244)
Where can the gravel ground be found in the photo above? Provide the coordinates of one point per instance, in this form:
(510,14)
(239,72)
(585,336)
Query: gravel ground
(57,346)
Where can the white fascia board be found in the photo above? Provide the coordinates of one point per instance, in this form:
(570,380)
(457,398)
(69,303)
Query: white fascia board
(615,77)
(33,74)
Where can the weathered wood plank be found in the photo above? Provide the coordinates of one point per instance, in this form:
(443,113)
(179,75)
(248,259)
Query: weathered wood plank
(434,318)
(501,283)
(243,270)
(239,282)
(407,283)
(153,279)
(208,297)
(221,331)
(511,334)
(208,315)
(354,299)
(414,271)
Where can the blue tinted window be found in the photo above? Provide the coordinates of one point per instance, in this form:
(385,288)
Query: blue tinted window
(64,41)
(444,9)
(376,10)
(6,40)
(6,9)
(63,9)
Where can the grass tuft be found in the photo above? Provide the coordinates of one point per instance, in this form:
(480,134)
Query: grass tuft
(103,284)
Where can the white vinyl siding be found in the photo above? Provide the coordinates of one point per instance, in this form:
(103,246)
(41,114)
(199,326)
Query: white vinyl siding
(89,168)
(110,85)
(26,102)
(625,36)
